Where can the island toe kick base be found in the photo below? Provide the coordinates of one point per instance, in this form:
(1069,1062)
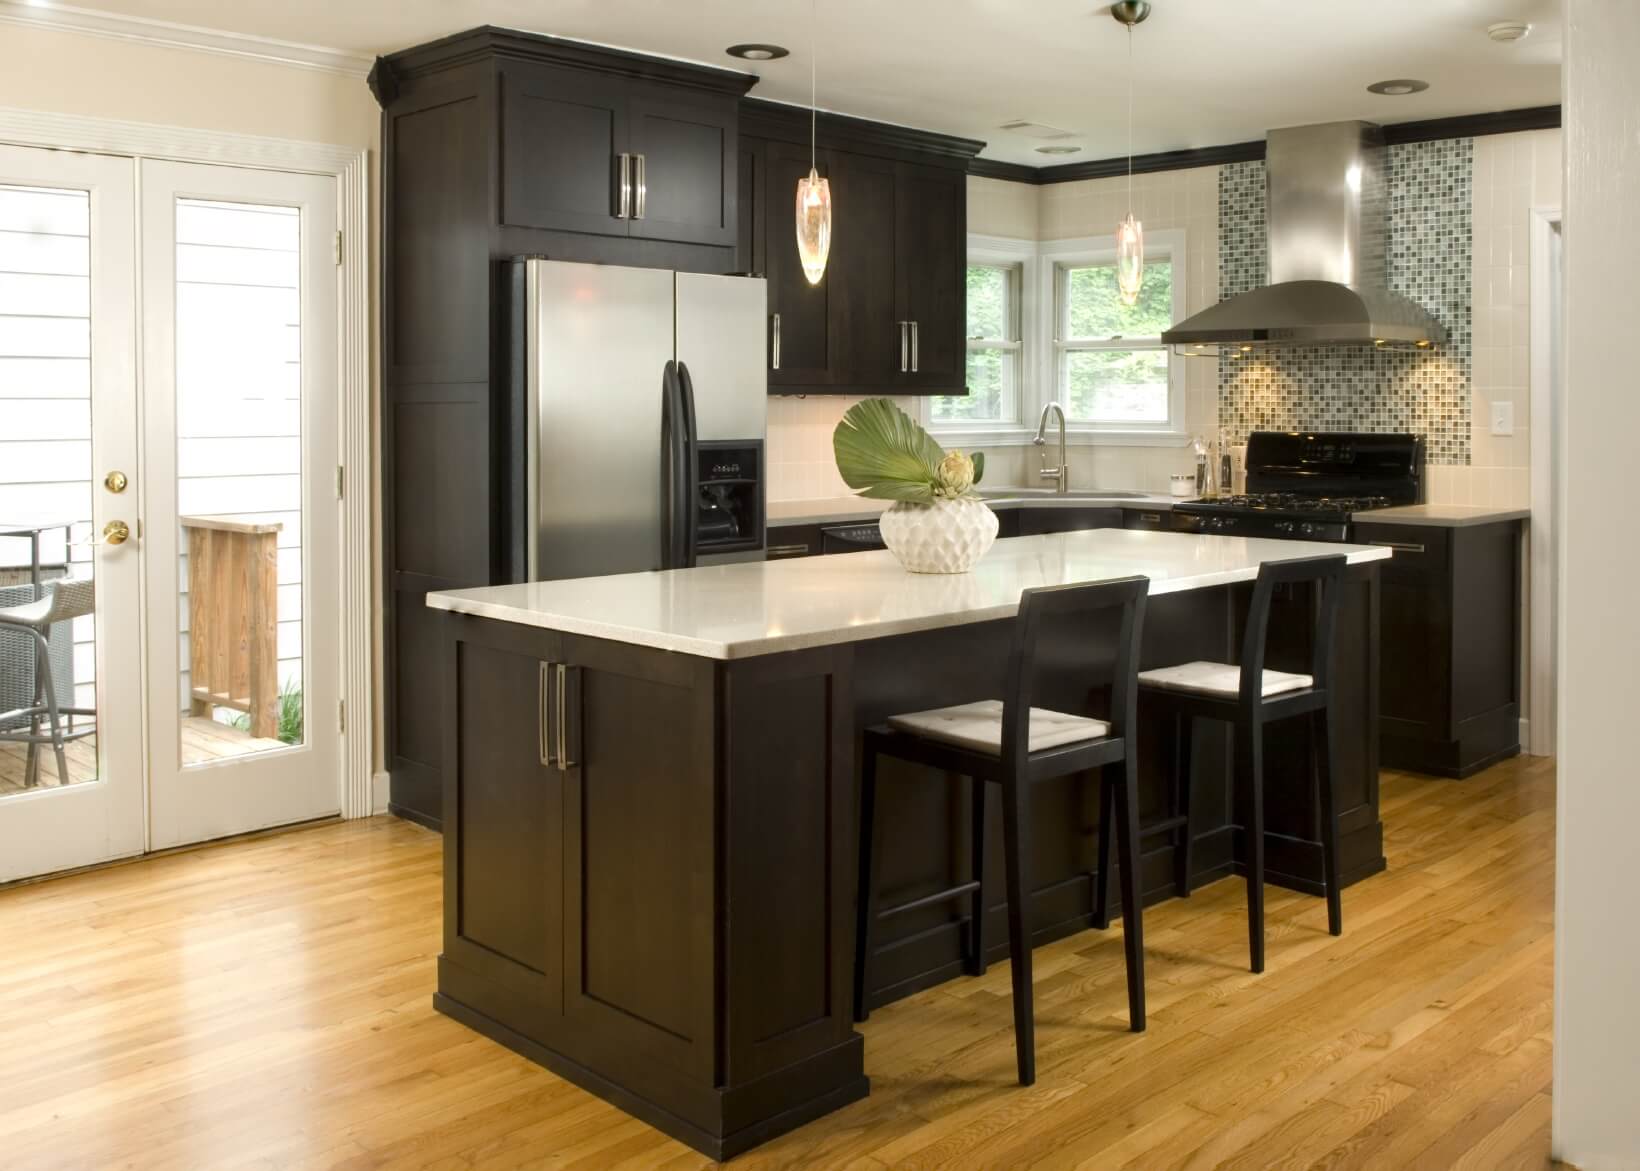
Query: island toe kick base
(649,874)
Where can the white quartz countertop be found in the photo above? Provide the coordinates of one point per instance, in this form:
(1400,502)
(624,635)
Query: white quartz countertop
(1446,516)
(765,607)
(843,509)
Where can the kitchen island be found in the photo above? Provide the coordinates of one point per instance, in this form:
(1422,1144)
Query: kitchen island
(651,793)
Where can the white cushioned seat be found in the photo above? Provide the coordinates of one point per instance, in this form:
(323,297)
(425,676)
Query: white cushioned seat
(1220,680)
(979,726)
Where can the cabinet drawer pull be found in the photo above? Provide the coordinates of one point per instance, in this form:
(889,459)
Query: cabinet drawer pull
(1398,546)
(565,761)
(1151,518)
(905,346)
(623,209)
(775,551)
(543,721)
(916,336)
(641,199)
(776,364)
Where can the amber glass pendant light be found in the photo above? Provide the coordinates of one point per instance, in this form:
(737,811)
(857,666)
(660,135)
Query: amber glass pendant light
(813,194)
(1130,233)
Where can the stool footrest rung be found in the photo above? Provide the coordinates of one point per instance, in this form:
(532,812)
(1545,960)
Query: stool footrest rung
(938,896)
(1162,826)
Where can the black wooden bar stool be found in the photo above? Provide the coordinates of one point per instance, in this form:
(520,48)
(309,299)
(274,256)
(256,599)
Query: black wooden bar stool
(1013,744)
(1248,697)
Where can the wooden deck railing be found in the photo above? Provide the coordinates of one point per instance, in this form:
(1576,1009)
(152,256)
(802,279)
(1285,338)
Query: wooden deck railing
(233,618)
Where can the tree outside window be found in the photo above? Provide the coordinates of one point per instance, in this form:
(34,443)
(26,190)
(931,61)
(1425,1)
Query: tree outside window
(1112,366)
(994,349)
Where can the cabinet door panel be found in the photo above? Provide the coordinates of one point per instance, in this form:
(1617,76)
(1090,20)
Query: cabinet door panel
(930,250)
(688,151)
(805,348)
(503,819)
(866,346)
(561,134)
(638,864)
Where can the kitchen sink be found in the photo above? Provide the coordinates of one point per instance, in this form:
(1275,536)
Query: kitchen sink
(1039,494)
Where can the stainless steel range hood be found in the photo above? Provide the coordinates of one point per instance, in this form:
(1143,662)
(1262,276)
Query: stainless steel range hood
(1326,202)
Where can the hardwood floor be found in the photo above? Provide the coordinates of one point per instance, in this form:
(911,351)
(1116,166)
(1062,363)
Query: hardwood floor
(267,1004)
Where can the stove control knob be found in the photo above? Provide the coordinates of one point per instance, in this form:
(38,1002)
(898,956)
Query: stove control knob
(1284,526)
(1307,528)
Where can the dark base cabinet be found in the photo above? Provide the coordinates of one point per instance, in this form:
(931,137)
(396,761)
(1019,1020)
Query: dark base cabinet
(1452,646)
(662,918)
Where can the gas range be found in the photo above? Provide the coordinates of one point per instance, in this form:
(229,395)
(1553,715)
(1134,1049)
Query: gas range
(1308,485)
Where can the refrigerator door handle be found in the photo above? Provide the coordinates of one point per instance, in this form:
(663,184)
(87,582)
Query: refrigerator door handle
(673,455)
(775,365)
(623,209)
(689,480)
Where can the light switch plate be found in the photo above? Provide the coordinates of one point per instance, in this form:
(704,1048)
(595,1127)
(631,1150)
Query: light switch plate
(1503,418)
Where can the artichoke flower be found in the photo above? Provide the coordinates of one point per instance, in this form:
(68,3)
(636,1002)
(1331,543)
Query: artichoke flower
(955,475)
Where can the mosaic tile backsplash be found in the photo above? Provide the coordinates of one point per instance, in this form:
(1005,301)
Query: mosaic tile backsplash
(1358,388)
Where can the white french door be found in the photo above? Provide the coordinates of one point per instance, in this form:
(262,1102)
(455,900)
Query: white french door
(241,556)
(168,431)
(68,417)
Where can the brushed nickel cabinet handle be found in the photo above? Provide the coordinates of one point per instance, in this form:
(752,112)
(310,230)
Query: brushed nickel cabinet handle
(565,763)
(916,336)
(775,551)
(624,210)
(905,346)
(641,199)
(776,363)
(543,723)
(1398,546)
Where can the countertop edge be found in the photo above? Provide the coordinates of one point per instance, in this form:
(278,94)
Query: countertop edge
(1441,516)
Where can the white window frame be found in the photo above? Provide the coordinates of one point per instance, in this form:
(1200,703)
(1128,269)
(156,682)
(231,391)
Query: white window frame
(1020,254)
(1059,255)
(1039,364)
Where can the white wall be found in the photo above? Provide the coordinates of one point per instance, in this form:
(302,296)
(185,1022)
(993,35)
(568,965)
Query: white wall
(1597,930)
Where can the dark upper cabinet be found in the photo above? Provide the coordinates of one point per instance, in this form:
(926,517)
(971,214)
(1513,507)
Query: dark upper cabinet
(562,133)
(802,317)
(611,156)
(930,275)
(683,166)
(889,314)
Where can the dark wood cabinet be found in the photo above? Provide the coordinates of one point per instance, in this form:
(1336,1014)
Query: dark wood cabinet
(889,315)
(606,155)
(497,144)
(1451,617)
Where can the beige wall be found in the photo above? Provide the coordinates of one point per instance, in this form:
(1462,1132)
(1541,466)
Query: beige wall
(1597,950)
(100,77)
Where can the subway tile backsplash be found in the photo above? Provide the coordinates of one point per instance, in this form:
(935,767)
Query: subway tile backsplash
(1358,388)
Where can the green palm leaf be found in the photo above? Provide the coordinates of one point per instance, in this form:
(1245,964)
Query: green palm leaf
(883,453)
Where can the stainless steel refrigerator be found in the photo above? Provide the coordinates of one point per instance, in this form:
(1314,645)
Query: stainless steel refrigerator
(643,399)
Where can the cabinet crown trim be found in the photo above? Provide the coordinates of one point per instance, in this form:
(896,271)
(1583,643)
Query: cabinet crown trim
(761,118)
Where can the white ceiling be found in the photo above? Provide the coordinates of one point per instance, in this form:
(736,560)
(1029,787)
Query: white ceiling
(1212,71)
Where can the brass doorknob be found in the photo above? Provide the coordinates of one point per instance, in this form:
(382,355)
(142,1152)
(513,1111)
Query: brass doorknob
(116,532)
(115,482)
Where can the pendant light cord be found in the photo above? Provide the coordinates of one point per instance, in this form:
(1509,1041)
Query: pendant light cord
(813,153)
(1130,119)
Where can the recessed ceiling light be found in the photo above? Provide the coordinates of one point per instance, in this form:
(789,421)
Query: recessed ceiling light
(1508,30)
(1058,150)
(1398,87)
(758,52)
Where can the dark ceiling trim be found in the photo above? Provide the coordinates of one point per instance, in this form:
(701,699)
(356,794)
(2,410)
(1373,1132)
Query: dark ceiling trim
(1462,126)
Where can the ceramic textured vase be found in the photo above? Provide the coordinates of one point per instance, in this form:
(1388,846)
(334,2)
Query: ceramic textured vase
(947,536)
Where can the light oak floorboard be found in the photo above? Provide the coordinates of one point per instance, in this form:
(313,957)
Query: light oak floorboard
(267,1004)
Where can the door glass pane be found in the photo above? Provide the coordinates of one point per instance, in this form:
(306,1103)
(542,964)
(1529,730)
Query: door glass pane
(45,491)
(239,477)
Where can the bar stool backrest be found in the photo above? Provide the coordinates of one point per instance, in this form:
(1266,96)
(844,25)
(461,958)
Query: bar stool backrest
(1323,574)
(1073,601)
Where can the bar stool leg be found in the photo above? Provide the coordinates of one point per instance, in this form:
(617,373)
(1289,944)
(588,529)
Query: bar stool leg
(976,792)
(1015,847)
(1250,787)
(1184,736)
(50,687)
(1124,780)
(1321,740)
(865,899)
(1107,824)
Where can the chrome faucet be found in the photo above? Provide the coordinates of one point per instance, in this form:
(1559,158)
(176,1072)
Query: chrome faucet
(1061,474)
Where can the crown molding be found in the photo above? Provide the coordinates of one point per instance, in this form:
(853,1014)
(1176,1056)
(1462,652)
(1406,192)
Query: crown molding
(165,34)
